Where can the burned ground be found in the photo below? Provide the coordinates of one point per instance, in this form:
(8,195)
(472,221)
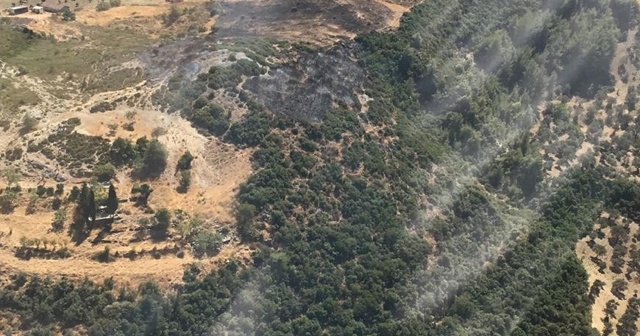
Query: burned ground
(165,59)
(310,86)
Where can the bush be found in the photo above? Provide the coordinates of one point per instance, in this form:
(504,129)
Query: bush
(143,191)
(29,124)
(212,117)
(58,221)
(63,253)
(206,243)
(7,200)
(105,172)
(163,220)
(104,256)
(618,287)
(59,189)
(103,6)
(184,163)
(68,15)
(114,3)
(13,154)
(172,17)
(185,180)
(158,131)
(122,152)
(56,203)
(154,160)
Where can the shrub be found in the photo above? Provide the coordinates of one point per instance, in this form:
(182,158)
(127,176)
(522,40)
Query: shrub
(206,243)
(104,256)
(122,152)
(13,154)
(7,200)
(173,16)
(618,287)
(63,253)
(105,172)
(103,6)
(185,180)
(74,193)
(143,191)
(154,160)
(41,190)
(158,131)
(58,221)
(59,189)
(68,15)
(184,163)
(29,124)
(56,203)
(163,220)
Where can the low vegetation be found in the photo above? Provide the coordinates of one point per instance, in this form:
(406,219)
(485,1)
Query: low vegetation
(25,49)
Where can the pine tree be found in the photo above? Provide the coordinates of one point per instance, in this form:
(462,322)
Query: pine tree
(112,201)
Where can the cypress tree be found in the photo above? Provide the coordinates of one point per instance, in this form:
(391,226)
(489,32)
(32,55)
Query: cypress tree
(112,201)
(91,206)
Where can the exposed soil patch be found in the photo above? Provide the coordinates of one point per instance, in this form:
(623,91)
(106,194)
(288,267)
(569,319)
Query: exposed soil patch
(318,21)
(91,17)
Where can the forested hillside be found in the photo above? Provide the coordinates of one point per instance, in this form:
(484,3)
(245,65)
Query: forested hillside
(428,208)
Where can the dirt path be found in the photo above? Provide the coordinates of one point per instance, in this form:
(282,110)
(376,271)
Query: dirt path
(398,10)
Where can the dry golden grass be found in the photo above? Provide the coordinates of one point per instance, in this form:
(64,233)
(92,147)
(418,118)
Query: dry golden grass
(585,253)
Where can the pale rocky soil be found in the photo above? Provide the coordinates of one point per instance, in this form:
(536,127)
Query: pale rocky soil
(218,168)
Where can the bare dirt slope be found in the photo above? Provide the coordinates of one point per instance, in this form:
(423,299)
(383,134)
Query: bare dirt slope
(62,97)
(218,170)
(319,21)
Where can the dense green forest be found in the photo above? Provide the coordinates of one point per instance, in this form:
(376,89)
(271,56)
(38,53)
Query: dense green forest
(350,249)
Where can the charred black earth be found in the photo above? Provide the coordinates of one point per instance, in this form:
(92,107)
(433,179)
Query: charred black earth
(313,84)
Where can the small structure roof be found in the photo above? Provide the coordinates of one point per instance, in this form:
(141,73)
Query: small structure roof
(53,5)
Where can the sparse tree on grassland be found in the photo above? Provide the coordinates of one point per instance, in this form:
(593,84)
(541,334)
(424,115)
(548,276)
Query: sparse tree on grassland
(184,163)
(163,220)
(58,220)
(154,161)
(618,287)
